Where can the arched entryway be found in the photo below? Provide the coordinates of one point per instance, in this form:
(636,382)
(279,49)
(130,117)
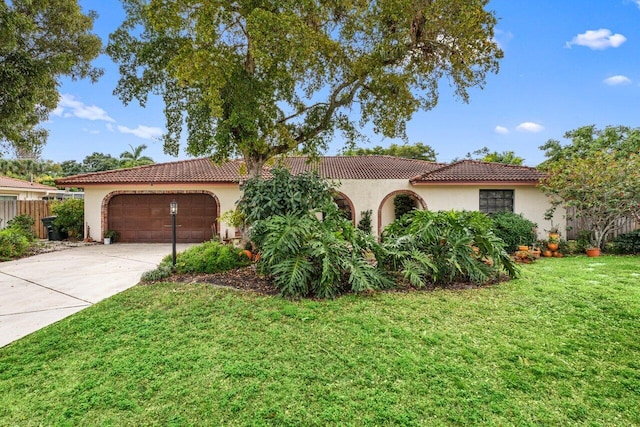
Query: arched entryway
(143,217)
(345,205)
(386,211)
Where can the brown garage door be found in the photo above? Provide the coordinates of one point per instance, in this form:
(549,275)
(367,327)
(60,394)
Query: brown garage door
(145,218)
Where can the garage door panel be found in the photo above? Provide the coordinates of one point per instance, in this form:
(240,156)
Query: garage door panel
(145,217)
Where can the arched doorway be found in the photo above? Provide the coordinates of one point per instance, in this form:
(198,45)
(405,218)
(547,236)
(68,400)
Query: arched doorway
(386,210)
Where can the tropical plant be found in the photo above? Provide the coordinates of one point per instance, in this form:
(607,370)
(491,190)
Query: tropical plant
(134,157)
(283,194)
(308,256)
(514,229)
(506,157)
(69,217)
(259,79)
(445,247)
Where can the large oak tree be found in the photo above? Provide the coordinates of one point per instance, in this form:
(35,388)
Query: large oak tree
(40,42)
(259,78)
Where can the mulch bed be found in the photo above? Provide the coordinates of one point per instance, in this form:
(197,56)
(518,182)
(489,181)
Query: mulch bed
(247,279)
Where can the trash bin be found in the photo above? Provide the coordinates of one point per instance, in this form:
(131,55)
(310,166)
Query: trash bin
(53,233)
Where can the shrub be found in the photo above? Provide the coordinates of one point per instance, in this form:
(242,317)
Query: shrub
(70,217)
(627,244)
(23,224)
(162,272)
(402,204)
(306,256)
(283,194)
(208,258)
(13,243)
(513,229)
(365,221)
(445,247)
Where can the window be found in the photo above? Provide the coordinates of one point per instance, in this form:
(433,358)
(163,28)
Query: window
(492,201)
(8,197)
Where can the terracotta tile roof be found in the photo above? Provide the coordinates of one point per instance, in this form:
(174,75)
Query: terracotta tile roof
(336,167)
(184,171)
(203,170)
(362,167)
(6,182)
(469,171)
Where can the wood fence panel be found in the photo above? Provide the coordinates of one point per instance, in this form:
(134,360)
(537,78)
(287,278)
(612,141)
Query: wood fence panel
(574,225)
(36,209)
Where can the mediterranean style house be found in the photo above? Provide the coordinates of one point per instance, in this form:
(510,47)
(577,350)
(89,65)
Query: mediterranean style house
(135,202)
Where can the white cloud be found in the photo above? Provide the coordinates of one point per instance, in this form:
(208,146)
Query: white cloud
(109,127)
(637,2)
(501,130)
(69,106)
(617,80)
(529,127)
(144,132)
(598,39)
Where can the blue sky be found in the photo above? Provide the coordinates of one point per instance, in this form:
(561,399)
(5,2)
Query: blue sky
(567,64)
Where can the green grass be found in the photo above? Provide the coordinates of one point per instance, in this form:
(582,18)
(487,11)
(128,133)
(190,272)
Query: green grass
(560,346)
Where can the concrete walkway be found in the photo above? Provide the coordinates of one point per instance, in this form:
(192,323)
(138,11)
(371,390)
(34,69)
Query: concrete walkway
(40,290)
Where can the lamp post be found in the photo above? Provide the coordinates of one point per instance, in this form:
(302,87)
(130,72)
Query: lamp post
(173,210)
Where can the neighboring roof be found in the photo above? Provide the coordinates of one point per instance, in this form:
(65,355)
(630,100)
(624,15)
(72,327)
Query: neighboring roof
(13,183)
(473,171)
(205,171)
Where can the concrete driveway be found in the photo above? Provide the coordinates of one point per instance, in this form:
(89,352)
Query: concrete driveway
(40,290)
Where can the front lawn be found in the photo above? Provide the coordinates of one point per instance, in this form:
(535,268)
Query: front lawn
(560,346)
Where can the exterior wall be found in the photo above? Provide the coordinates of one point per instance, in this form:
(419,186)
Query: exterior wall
(376,195)
(23,194)
(95,197)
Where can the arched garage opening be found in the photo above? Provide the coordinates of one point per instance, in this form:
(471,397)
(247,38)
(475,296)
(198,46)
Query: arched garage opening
(386,214)
(144,217)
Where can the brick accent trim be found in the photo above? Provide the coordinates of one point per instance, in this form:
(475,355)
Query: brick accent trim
(415,196)
(349,202)
(104,209)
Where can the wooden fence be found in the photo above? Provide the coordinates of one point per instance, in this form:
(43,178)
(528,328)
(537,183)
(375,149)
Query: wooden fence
(36,209)
(574,225)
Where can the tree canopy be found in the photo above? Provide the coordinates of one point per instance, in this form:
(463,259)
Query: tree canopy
(486,155)
(134,157)
(40,41)
(261,78)
(418,151)
(598,174)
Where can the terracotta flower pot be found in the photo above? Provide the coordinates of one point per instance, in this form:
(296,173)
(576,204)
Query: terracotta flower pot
(552,246)
(592,252)
(523,248)
(547,253)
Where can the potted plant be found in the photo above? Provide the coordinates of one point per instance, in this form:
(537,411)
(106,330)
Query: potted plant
(593,251)
(553,244)
(110,236)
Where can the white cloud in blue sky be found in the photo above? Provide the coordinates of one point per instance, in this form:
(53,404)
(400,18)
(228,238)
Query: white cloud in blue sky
(598,39)
(501,130)
(69,106)
(617,80)
(529,127)
(144,132)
